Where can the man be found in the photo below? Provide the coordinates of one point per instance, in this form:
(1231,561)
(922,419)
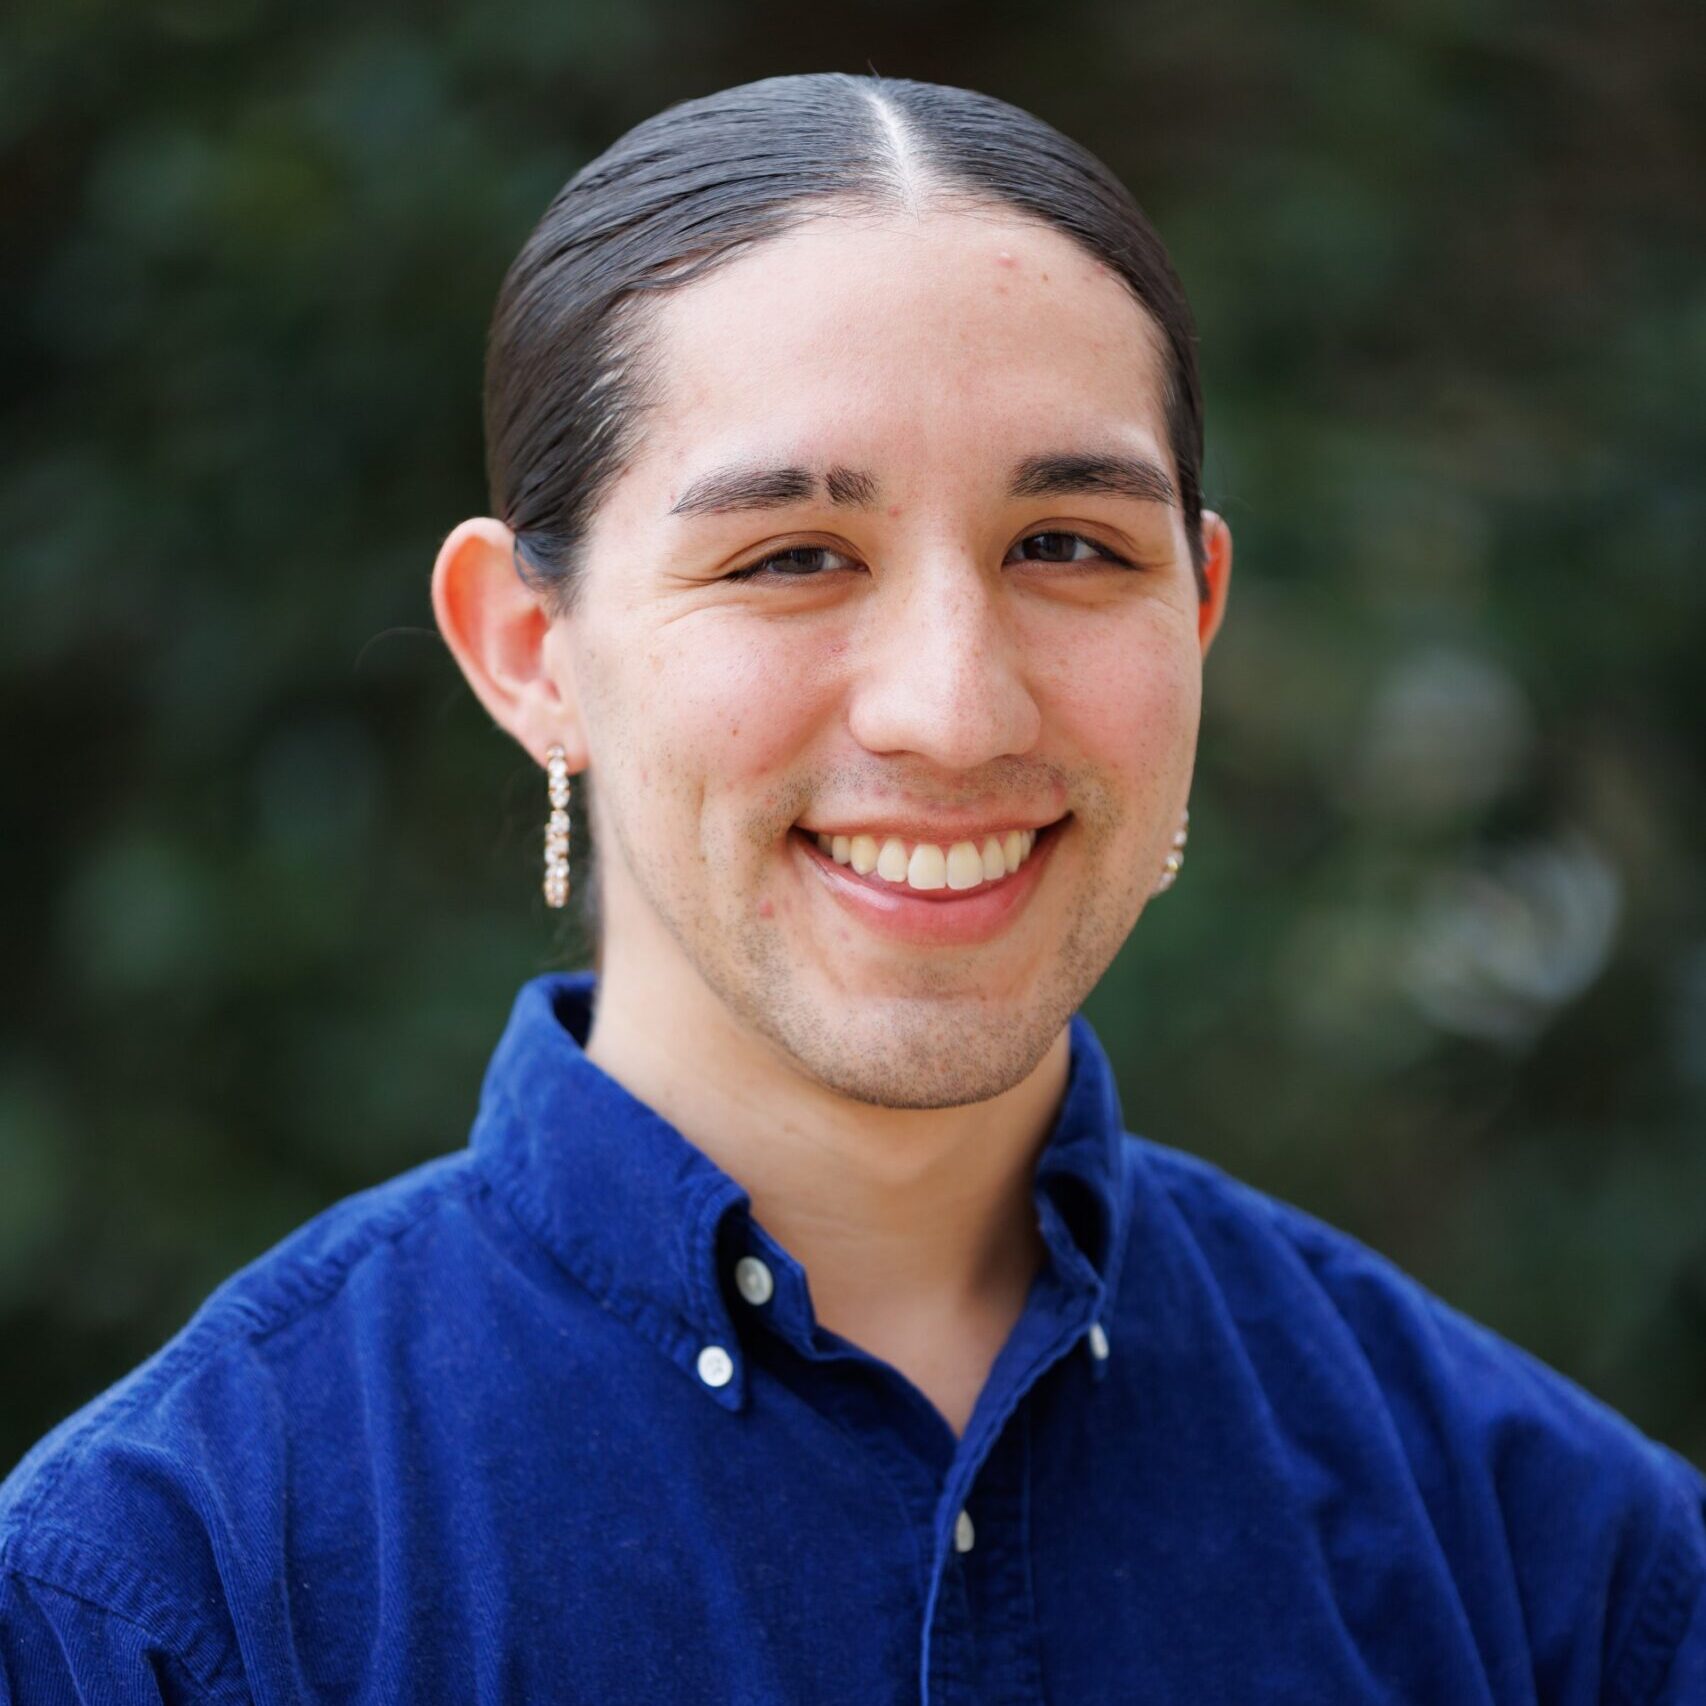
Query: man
(801,1324)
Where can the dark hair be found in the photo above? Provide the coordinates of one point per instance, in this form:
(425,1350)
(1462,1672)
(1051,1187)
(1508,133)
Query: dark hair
(567,377)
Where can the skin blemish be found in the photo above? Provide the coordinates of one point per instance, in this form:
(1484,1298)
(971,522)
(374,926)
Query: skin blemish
(767,908)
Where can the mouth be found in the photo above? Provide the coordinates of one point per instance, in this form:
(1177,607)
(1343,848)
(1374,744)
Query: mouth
(926,894)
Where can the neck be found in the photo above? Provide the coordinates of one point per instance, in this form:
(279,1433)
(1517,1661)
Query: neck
(905,1220)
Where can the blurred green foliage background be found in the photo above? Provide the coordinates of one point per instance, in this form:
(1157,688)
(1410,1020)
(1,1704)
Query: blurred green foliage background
(1436,966)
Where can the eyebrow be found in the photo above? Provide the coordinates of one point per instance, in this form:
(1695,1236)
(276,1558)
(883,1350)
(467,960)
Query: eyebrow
(1071,473)
(1064,473)
(747,486)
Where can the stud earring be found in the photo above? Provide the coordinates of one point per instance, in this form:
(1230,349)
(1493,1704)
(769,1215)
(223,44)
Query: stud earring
(557,828)
(1170,871)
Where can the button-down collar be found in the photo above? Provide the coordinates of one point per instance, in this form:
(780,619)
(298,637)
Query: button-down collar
(652,1226)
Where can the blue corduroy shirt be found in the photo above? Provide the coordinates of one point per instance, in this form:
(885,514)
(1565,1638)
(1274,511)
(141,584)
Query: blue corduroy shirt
(551,1419)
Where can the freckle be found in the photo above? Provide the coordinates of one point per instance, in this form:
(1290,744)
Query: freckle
(657,664)
(734,728)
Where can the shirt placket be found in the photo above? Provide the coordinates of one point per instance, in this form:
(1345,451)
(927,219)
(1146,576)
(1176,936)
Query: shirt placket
(993,1609)
(980,1638)
(968,1496)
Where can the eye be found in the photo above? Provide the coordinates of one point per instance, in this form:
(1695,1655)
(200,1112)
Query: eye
(808,562)
(1056,542)
(798,562)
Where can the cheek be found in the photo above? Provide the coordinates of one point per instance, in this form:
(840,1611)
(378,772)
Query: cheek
(1128,696)
(731,707)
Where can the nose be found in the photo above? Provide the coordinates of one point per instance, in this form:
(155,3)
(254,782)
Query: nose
(941,671)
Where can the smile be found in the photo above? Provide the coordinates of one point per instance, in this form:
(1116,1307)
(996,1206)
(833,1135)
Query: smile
(932,898)
(927,864)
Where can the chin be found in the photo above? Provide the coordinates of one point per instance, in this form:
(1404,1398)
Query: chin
(915,1051)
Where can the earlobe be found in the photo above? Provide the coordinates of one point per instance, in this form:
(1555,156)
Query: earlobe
(498,631)
(1217,572)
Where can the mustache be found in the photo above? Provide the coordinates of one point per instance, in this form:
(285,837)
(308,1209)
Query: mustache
(1021,787)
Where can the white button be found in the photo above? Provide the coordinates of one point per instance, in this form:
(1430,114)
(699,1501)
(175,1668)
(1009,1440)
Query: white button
(753,1281)
(1098,1341)
(715,1368)
(964,1534)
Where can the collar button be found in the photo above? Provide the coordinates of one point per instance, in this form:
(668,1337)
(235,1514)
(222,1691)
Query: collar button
(716,1368)
(753,1280)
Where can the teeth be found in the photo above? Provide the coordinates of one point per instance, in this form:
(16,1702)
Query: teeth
(926,869)
(925,864)
(965,865)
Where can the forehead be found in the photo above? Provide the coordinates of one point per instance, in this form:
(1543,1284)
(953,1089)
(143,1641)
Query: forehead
(935,342)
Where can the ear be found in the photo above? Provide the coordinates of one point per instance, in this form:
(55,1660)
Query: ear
(500,633)
(1217,571)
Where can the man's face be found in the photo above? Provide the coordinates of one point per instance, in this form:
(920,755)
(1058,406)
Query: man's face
(919,667)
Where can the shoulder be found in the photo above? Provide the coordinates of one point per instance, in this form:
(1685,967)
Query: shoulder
(1262,1250)
(1509,1455)
(125,1505)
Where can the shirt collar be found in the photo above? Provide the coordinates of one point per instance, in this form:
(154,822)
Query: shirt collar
(653,1227)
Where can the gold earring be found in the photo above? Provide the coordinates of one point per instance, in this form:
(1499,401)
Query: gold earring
(557,828)
(1176,858)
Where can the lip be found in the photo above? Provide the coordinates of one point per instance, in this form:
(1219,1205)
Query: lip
(942,831)
(930,917)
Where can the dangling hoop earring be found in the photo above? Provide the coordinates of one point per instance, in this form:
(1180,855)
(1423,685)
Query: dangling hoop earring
(557,827)
(1170,871)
